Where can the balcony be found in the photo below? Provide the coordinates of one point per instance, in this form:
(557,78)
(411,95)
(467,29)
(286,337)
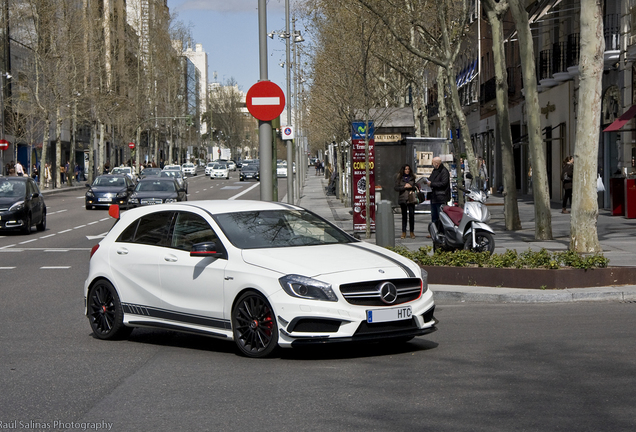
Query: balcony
(488,91)
(611,32)
(544,72)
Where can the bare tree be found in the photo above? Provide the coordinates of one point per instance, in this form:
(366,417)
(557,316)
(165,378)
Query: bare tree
(495,11)
(583,233)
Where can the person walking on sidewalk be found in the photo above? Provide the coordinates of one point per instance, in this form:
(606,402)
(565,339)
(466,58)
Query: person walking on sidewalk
(405,185)
(566,177)
(439,181)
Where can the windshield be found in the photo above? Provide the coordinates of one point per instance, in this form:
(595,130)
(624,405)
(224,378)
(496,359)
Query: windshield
(110,181)
(10,188)
(156,186)
(219,166)
(121,170)
(175,174)
(279,228)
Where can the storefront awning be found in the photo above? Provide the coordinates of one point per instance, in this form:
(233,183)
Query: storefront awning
(622,120)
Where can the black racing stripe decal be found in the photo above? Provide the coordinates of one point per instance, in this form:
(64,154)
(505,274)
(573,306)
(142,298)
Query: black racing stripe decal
(176,316)
(407,270)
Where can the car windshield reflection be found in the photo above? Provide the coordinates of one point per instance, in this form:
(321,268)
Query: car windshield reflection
(279,228)
(10,188)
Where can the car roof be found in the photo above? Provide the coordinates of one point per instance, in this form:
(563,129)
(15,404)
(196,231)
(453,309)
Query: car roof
(156,179)
(215,207)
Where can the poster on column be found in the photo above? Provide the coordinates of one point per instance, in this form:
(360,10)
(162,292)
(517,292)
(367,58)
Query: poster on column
(359,176)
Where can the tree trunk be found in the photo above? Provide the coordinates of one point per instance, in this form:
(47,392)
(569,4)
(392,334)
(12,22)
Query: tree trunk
(101,160)
(511,208)
(583,233)
(58,148)
(44,157)
(542,215)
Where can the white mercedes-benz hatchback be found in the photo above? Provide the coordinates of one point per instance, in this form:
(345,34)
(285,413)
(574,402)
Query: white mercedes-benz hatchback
(260,273)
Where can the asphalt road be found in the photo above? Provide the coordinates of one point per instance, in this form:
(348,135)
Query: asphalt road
(488,367)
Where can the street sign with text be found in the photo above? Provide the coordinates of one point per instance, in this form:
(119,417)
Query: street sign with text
(265,100)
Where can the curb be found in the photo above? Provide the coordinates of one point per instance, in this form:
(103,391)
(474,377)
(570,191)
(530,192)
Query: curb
(451,294)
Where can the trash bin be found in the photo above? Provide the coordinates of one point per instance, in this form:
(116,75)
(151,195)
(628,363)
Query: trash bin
(617,196)
(630,198)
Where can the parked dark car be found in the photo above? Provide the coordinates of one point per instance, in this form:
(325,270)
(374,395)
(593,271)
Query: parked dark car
(249,172)
(157,190)
(109,189)
(150,172)
(181,180)
(21,205)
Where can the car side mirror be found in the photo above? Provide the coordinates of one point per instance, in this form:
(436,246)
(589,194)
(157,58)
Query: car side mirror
(207,249)
(182,190)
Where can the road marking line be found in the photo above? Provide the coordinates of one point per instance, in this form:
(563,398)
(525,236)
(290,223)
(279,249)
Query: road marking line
(80,197)
(245,191)
(7,268)
(92,223)
(27,241)
(102,220)
(55,267)
(55,250)
(47,236)
(65,231)
(81,226)
(7,246)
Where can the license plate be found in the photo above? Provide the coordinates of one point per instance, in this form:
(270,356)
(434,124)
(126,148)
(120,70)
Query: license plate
(104,200)
(387,315)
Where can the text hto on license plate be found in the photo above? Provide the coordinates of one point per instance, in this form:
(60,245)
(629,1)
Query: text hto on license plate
(386,315)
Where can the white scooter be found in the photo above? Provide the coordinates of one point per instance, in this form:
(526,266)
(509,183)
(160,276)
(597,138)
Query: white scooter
(465,228)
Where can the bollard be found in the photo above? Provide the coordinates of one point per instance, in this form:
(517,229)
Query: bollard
(384,225)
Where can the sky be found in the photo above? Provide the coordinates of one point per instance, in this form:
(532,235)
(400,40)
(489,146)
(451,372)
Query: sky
(228,31)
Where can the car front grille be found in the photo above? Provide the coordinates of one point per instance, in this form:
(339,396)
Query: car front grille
(368,293)
(387,327)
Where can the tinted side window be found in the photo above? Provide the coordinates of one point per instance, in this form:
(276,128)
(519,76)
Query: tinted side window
(190,228)
(153,229)
(128,234)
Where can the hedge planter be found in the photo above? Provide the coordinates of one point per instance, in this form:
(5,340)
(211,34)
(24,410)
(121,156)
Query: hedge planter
(531,278)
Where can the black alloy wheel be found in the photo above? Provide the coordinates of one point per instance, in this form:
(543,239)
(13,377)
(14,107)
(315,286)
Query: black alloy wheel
(484,242)
(42,225)
(105,312)
(254,325)
(28,223)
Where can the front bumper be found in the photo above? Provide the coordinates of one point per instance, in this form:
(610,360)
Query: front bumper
(12,220)
(106,201)
(321,322)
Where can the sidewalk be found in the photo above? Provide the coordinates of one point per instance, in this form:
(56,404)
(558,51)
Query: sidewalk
(617,236)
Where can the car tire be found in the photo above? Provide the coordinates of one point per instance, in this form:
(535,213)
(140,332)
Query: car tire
(28,223)
(105,312)
(42,225)
(485,242)
(254,325)
(241,179)
(89,207)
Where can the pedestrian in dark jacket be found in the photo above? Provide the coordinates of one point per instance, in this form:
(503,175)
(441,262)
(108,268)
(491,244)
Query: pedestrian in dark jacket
(566,177)
(405,185)
(439,181)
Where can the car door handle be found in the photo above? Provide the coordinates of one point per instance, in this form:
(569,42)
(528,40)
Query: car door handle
(122,251)
(170,258)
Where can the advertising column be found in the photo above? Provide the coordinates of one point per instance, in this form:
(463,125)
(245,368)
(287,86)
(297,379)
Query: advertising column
(360,186)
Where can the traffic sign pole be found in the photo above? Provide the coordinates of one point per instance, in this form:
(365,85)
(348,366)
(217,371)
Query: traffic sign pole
(264,126)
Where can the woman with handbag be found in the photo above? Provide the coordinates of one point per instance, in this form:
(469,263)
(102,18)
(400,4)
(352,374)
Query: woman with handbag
(566,177)
(405,185)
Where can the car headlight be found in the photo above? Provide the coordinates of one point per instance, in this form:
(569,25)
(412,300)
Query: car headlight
(424,280)
(122,194)
(134,200)
(90,194)
(17,206)
(307,288)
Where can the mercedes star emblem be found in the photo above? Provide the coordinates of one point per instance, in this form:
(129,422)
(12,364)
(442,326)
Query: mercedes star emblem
(388,292)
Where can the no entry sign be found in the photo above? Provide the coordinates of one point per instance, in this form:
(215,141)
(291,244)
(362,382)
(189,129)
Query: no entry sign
(131,145)
(4,144)
(265,100)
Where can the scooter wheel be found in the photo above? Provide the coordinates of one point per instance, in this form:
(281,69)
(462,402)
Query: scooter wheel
(484,240)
